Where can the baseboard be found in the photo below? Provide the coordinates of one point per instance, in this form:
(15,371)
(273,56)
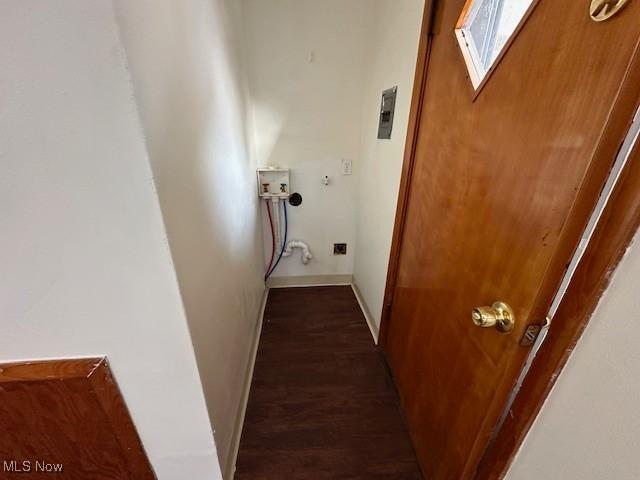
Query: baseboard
(367,314)
(248,376)
(309,281)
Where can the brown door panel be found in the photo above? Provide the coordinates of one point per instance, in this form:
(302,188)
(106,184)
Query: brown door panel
(497,182)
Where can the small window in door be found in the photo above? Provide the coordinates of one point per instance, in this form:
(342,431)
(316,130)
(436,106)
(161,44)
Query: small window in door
(484,29)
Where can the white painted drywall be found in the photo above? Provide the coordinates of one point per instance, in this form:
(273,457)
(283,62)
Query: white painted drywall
(307,60)
(85,267)
(189,84)
(589,426)
(392,60)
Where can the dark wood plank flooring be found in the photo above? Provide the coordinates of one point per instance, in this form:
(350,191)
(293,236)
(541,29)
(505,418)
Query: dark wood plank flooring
(322,405)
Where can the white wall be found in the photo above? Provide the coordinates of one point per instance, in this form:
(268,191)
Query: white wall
(189,84)
(307,62)
(86,270)
(392,61)
(590,424)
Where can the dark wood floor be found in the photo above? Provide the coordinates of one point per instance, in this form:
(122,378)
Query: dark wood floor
(321,404)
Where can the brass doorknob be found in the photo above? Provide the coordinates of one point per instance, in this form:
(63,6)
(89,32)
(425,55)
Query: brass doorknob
(499,315)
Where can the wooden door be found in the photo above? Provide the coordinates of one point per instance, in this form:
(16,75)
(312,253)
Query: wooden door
(497,188)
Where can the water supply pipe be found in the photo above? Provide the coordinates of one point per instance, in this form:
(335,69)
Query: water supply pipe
(276,220)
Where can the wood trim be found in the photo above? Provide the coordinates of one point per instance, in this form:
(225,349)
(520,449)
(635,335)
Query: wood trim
(463,14)
(101,385)
(413,127)
(616,228)
(48,370)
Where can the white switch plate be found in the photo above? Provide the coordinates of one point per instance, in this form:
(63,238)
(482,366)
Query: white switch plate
(347,166)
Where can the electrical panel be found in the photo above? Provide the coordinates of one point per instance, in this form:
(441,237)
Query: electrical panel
(273,182)
(387,109)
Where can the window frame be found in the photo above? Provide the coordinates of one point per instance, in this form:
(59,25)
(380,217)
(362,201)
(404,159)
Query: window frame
(478,82)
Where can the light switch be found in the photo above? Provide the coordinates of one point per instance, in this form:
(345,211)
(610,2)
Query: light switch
(347,167)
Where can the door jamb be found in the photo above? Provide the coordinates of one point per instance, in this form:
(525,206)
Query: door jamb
(617,226)
(417,97)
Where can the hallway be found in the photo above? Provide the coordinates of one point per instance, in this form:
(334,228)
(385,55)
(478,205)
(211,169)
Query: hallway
(322,405)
